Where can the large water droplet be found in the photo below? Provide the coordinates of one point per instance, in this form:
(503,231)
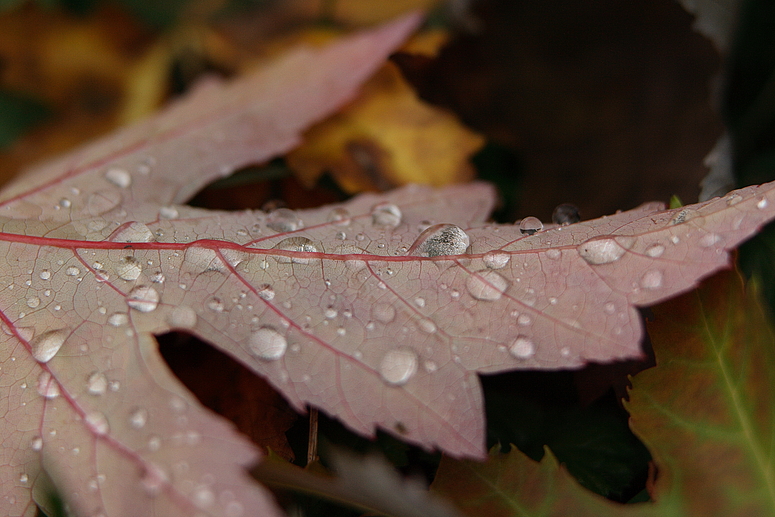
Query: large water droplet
(296,244)
(33,302)
(45,274)
(45,346)
(398,366)
(47,386)
(129,269)
(386,215)
(486,285)
(651,279)
(268,344)
(182,317)
(203,259)
(565,214)
(655,250)
(762,204)
(118,177)
(283,220)
(37,443)
(602,250)
(496,259)
(522,348)
(97,383)
(143,298)
(133,232)
(383,312)
(98,423)
(530,225)
(439,240)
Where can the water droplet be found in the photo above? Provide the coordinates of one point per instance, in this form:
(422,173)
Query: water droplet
(47,386)
(439,240)
(655,250)
(24,479)
(486,285)
(72,271)
(609,308)
(118,319)
(97,384)
(682,216)
(97,423)
(138,418)
(674,239)
(496,259)
(158,278)
(386,215)
(33,302)
(734,199)
(419,302)
(524,320)
(265,292)
(296,244)
(602,250)
(154,443)
(36,443)
(351,263)
(45,274)
(565,214)
(339,217)
(65,203)
(183,317)
(283,220)
(118,177)
(45,346)
(203,497)
(710,239)
(215,304)
(143,298)
(522,348)
(383,312)
(427,326)
(168,212)
(268,344)
(129,269)
(398,366)
(330,313)
(154,479)
(133,232)
(762,204)
(651,279)
(553,253)
(530,225)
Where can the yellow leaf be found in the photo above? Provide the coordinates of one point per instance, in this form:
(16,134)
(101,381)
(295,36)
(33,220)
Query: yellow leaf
(387,137)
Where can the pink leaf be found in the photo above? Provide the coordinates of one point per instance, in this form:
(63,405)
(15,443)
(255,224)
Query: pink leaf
(88,243)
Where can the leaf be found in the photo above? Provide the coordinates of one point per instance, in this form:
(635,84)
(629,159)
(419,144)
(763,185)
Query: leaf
(513,484)
(85,393)
(367,310)
(387,137)
(707,411)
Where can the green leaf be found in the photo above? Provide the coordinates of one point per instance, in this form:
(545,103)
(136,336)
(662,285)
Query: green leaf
(707,410)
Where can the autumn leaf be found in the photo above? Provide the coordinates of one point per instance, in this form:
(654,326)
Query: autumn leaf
(381,311)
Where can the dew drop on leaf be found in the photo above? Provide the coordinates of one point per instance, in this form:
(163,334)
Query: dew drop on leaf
(330,313)
(72,271)
(651,279)
(398,366)
(37,443)
(97,423)
(47,387)
(296,244)
(496,259)
(134,232)
(655,250)
(33,302)
(143,298)
(339,217)
(265,292)
(182,317)
(383,312)
(129,269)
(154,479)
(268,344)
(601,250)
(283,220)
(45,274)
(118,319)
(762,204)
(118,177)
(710,239)
(97,383)
(427,326)
(486,285)
(168,212)
(386,215)
(522,348)
(215,304)
(138,418)
(439,240)
(45,346)
(530,225)
(565,214)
